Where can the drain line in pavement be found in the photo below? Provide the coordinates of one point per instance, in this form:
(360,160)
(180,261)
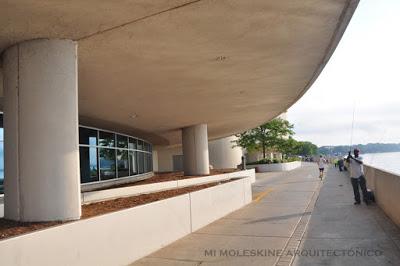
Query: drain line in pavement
(287,256)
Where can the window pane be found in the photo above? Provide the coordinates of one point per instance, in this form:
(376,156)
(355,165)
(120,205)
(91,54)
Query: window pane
(146,163)
(150,162)
(1,154)
(106,139)
(1,127)
(140,145)
(1,166)
(146,146)
(88,162)
(133,163)
(122,141)
(87,136)
(122,161)
(132,143)
(107,163)
(140,162)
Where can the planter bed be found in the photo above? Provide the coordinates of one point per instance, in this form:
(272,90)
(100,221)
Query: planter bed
(143,179)
(161,183)
(10,228)
(170,176)
(125,233)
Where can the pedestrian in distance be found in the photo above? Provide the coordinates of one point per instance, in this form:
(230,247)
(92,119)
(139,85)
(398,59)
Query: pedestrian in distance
(321,166)
(341,164)
(357,177)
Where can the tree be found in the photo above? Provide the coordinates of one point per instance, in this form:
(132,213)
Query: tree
(272,135)
(290,146)
(306,148)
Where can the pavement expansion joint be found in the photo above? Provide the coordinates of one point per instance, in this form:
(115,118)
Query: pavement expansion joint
(176,259)
(239,235)
(294,241)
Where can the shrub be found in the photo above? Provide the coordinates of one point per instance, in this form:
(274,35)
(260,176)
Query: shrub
(269,161)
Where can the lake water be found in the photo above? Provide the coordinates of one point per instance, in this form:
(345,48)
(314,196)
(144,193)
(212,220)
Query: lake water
(389,161)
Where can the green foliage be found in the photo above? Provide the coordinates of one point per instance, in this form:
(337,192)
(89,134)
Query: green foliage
(306,148)
(303,148)
(269,161)
(263,161)
(275,135)
(292,159)
(290,146)
(272,135)
(247,140)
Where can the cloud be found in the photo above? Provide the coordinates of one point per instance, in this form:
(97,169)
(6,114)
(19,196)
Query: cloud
(362,75)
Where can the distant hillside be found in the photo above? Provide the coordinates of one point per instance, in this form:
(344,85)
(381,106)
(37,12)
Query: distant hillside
(365,148)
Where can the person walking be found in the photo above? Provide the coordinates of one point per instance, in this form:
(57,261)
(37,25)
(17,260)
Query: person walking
(341,164)
(357,176)
(321,165)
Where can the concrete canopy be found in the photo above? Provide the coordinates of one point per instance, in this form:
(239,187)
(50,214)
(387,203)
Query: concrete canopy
(152,67)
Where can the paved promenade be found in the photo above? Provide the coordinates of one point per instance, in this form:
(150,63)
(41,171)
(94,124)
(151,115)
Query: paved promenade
(291,212)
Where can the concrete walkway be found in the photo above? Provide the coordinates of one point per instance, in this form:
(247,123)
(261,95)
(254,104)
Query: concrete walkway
(286,217)
(360,234)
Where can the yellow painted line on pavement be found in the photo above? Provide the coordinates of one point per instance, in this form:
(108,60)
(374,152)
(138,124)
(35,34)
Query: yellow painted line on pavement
(261,195)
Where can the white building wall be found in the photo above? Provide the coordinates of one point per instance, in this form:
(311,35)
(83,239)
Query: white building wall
(164,157)
(221,153)
(155,161)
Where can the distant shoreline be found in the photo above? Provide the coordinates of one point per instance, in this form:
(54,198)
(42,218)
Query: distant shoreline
(365,148)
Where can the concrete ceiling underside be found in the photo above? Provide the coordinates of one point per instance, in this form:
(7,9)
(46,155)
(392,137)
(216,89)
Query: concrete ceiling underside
(153,67)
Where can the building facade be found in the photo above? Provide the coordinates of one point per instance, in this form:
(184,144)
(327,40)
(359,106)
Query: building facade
(90,90)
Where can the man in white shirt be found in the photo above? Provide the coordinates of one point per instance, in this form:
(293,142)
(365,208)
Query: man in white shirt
(321,166)
(357,176)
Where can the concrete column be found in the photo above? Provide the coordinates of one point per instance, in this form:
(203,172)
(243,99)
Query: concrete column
(224,154)
(42,179)
(195,150)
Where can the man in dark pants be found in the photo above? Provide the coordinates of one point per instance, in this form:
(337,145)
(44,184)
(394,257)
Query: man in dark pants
(341,164)
(357,177)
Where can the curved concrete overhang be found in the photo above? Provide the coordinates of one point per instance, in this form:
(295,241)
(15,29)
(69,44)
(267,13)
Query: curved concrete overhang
(153,67)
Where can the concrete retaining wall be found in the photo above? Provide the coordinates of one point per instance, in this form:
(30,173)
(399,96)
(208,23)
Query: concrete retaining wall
(211,204)
(121,237)
(95,196)
(275,167)
(214,178)
(113,239)
(386,187)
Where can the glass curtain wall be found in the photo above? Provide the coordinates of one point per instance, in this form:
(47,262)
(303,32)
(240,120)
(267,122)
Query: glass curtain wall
(1,153)
(107,155)
(103,155)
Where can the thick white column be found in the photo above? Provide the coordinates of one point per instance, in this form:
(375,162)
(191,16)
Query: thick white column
(42,179)
(195,150)
(224,153)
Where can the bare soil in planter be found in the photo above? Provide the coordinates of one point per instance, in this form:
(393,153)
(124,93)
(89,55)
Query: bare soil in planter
(10,228)
(169,176)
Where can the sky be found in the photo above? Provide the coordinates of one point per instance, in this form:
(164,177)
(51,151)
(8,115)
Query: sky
(362,77)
